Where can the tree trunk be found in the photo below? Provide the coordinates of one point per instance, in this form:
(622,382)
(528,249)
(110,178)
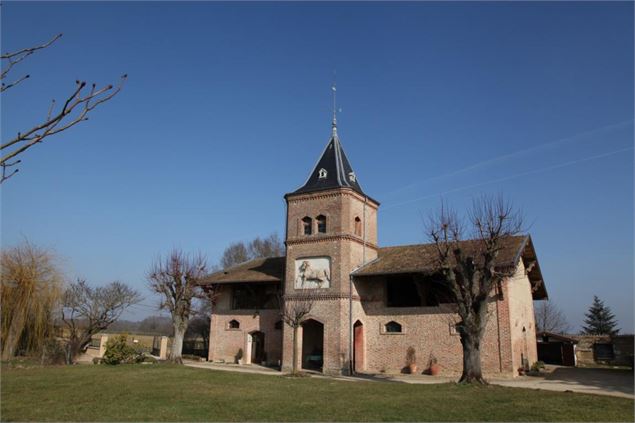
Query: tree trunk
(471,359)
(177,343)
(13,336)
(296,349)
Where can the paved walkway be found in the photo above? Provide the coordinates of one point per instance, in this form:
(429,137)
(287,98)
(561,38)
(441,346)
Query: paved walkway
(227,367)
(612,382)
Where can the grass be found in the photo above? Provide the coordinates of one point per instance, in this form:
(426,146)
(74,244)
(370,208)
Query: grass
(177,393)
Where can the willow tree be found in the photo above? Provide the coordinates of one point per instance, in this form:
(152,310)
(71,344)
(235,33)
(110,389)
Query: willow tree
(469,268)
(31,291)
(176,278)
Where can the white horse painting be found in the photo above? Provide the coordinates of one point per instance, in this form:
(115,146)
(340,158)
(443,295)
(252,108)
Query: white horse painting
(310,274)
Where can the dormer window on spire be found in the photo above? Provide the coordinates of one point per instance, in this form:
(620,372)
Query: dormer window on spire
(352,177)
(322,173)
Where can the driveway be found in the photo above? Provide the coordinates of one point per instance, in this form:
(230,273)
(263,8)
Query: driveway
(613,382)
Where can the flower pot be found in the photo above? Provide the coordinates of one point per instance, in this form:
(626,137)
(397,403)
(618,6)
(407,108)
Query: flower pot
(435,369)
(412,368)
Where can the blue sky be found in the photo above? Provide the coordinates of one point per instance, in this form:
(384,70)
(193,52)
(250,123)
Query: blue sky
(228,106)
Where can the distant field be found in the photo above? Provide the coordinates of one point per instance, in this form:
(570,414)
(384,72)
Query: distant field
(176,393)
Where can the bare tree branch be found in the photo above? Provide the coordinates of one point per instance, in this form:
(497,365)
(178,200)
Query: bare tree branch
(18,56)
(75,109)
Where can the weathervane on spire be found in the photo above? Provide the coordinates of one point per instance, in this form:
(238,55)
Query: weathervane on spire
(334,89)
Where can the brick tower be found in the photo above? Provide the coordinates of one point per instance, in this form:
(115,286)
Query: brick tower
(331,230)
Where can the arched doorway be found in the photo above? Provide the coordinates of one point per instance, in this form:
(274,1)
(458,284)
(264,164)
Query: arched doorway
(358,346)
(312,345)
(257,353)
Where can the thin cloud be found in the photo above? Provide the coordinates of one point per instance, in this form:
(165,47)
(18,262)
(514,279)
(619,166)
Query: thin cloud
(518,153)
(506,178)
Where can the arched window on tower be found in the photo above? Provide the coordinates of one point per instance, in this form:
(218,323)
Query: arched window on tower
(307,224)
(358,226)
(321,224)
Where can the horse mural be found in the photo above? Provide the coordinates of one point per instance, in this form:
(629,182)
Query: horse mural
(308,274)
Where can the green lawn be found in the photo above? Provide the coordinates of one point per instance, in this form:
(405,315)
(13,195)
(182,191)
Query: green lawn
(176,393)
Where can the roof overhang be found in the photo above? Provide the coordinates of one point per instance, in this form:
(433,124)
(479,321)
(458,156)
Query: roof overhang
(261,270)
(523,249)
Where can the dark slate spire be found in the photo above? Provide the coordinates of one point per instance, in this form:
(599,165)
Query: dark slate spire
(333,170)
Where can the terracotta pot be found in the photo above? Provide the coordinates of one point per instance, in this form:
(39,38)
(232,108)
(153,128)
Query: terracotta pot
(412,368)
(435,369)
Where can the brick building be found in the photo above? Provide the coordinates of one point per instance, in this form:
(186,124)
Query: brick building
(370,303)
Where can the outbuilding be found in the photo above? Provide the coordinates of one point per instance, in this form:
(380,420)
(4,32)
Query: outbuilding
(556,349)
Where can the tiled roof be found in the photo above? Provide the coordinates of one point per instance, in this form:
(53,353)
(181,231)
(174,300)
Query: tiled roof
(423,258)
(419,258)
(258,270)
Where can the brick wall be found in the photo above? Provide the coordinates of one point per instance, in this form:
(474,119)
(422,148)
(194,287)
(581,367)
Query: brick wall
(430,330)
(225,342)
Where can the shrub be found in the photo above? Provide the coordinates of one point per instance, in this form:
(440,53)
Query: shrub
(53,352)
(118,351)
(537,366)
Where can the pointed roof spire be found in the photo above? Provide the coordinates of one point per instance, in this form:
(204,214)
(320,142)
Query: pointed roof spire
(333,170)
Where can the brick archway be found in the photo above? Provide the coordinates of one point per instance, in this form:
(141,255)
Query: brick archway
(312,345)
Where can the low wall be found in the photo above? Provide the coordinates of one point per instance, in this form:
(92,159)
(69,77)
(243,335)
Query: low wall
(588,348)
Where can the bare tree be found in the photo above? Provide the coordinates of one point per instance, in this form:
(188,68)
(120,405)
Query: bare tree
(176,279)
(240,252)
(234,254)
(31,292)
(75,108)
(267,247)
(469,268)
(293,312)
(87,311)
(549,318)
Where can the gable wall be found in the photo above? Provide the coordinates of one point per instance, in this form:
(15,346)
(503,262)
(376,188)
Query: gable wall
(521,315)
